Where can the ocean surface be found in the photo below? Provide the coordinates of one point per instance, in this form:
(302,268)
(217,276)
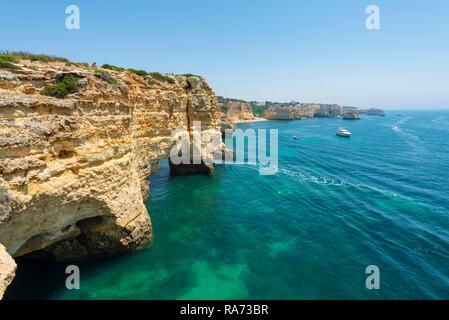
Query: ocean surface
(336,206)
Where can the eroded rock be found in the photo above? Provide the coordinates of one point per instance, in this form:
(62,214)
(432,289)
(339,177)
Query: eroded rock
(78,167)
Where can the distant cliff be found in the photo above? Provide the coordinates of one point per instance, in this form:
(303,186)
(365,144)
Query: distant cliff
(302,110)
(235,110)
(373,112)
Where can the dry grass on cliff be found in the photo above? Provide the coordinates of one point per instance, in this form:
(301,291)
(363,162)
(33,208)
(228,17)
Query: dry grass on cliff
(17,56)
(160,77)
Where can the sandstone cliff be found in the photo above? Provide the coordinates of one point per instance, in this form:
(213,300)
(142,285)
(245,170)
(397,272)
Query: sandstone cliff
(74,170)
(299,110)
(351,115)
(235,110)
(289,111)
(7,270)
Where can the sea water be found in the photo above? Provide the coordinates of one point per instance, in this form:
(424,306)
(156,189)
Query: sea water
(335,207)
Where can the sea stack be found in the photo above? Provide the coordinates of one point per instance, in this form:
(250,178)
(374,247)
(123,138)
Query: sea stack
(351,116)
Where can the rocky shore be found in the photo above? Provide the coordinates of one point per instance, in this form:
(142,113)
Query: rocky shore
(77,145)
(237,111)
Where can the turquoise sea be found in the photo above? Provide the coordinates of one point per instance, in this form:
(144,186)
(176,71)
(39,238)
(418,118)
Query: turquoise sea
(336,206)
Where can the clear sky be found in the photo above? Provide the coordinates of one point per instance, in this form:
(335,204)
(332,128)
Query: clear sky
(278,50)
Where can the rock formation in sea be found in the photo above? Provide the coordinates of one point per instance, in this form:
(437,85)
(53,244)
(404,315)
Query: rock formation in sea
(351,115)
(328,111)
(74,167)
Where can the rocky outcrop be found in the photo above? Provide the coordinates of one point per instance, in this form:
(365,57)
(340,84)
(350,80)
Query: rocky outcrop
(351,116)
(328,111)
(373,112)
(236,110)
(298,111)
(280,112)
(7,270)
(75,169)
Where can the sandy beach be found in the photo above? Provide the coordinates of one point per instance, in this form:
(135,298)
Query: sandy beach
(257,119)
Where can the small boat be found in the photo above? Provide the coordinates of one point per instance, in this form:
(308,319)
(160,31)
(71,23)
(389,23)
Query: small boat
(338,117)
(342,132)
(295,138)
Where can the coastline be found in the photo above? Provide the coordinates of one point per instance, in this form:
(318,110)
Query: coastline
(257,119)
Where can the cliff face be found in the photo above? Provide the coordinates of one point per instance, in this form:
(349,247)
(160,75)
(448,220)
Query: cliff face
(328,110)
(297,111)
(235,110)
(350,115)
(74,171)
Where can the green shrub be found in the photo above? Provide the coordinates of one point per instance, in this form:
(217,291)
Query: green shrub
(160,77)
(57,90)
(188,75)
(62,88)
(5,64)
(142,73)
(106,76)
(112,67)
(150,82)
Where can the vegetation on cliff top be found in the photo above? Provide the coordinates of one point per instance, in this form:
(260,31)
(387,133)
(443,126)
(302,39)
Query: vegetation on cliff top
(62,87)
(5,64)
(68,84)
(106,76)
(17,56)
(142,73)
(8,58)
(112,67)
(188,75)
(155,75)
(160,77)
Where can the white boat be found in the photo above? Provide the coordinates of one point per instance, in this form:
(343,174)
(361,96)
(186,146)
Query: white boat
(295,138)
(342,132)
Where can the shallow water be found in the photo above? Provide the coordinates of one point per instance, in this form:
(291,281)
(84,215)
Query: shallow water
(336,206)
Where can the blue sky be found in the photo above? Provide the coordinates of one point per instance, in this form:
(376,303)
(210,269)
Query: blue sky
(278,50)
